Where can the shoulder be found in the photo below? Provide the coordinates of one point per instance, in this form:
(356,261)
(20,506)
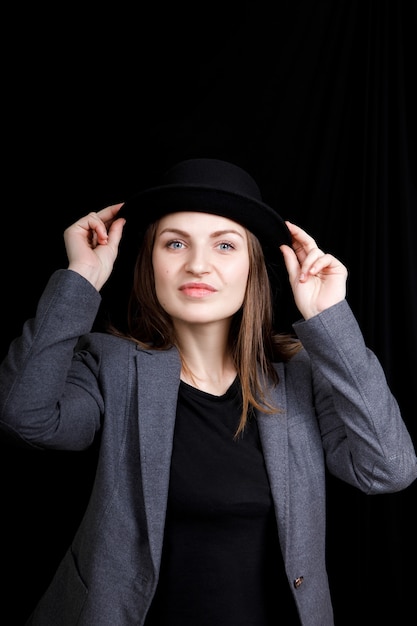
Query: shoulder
(109,346)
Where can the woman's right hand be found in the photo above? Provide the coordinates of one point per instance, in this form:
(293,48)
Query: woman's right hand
(92,244)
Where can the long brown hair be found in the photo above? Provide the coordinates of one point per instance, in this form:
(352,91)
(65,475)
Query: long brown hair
(253,343)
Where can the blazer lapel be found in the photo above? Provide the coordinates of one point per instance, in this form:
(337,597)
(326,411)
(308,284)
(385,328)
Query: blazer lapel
(273,431)
(158,381)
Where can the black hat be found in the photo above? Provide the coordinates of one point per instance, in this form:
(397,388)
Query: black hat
(209,186)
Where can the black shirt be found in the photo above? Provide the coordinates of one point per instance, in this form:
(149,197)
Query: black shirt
(221,562)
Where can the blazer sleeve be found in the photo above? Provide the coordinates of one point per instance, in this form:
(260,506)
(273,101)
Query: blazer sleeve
(365,439)
(44,401)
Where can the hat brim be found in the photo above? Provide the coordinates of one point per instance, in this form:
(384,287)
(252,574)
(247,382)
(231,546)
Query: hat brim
(150,205)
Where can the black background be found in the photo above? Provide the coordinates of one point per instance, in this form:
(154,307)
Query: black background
(317,100)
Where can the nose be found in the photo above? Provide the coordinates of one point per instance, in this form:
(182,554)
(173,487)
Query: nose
(197,262)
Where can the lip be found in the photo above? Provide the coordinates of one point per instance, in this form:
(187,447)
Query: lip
(197,290)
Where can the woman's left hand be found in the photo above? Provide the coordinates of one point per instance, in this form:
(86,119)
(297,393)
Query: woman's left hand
(318,280)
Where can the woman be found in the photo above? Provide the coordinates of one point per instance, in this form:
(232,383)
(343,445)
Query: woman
(214,430)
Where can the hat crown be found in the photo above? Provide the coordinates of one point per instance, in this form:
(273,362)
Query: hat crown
(215,174)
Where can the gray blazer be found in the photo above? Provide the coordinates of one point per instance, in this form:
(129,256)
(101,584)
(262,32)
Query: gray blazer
(62,386)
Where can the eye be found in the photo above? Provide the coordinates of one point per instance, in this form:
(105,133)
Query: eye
(175,244)
(226,245)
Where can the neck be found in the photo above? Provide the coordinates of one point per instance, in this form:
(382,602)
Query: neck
(207,363)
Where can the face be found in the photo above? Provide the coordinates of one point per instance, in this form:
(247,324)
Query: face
(201,267)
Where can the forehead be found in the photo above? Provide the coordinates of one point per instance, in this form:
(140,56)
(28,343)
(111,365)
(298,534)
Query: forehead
(190,221)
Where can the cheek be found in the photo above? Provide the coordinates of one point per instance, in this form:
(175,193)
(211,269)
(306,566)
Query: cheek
(163,278)
(239,281)
(160,282)
(161,272)
(243,277)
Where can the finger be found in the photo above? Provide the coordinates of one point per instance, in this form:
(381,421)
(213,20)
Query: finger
(328,264)
(98,224)
(291,262)
(109,213)
(95,227)
(115,232)
(315,261)
(311,258)
(302,242)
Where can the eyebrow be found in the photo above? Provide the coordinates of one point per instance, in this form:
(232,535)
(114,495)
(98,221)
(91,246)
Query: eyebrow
(217,233)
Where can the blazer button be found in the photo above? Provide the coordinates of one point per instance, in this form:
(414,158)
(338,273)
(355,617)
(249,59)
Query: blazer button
(298,582)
